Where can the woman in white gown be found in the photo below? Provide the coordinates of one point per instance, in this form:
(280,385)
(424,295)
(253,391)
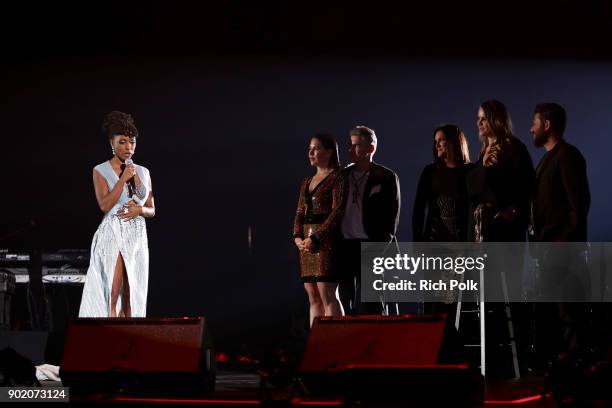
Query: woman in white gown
(117,279)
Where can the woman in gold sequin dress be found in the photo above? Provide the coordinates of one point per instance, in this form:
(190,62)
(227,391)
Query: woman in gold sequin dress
(316,227)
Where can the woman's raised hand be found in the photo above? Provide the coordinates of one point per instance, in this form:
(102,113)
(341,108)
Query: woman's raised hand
(128,173)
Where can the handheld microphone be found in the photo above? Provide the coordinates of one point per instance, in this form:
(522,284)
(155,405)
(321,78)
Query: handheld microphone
(131,182)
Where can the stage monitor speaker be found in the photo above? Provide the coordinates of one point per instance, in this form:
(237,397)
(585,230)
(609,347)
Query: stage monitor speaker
(405,358)
(162,356)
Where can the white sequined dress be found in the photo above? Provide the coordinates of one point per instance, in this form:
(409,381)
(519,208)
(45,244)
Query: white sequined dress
(114,236)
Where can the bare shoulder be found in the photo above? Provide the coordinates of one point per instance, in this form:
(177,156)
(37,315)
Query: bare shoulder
(97,173)
(99,181)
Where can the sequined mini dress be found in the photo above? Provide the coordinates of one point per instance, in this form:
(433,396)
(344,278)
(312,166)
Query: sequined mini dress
(318,216)
(112,237)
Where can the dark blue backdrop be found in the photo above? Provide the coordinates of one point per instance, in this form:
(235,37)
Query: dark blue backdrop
(226,146)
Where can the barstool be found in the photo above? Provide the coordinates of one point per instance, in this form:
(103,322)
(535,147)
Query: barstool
(480,311)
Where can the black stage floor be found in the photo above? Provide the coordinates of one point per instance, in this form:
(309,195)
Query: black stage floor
(236,388)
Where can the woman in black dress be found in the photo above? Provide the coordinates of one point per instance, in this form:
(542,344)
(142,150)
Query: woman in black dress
(500,184)
(441,205)
(499,189)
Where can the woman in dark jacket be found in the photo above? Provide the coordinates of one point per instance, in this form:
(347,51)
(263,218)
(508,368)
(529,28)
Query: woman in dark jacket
(441,206)
(499,189)
(500,184)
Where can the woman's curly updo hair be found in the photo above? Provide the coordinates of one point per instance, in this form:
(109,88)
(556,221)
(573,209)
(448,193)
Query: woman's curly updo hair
(119,123)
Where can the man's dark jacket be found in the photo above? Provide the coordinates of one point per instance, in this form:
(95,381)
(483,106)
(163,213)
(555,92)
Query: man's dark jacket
(381,202)
(561,196)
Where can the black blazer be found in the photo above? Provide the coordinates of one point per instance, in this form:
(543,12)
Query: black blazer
(561,197)
(507,185)
(381,203)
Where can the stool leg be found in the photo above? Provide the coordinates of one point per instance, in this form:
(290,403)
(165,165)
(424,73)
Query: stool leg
(482,324)
(458,313)
(515,364)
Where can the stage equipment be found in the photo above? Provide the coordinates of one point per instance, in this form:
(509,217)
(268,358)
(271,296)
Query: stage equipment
(161,356)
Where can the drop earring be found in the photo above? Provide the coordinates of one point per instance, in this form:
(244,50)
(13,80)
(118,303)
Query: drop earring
(113,149)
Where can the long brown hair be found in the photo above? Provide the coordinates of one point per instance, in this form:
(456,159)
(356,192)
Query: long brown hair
(458,150)
(501,125)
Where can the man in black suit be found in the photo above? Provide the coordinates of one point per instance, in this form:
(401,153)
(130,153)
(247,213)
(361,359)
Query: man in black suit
(561,199)
(560,205)
(371,214)
(559,214)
